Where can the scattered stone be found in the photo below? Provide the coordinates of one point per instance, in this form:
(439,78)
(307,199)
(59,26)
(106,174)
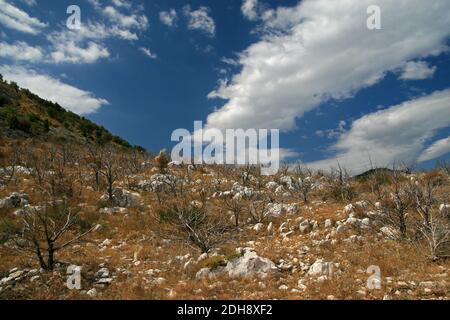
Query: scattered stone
(92,293)
(321,268)
(123,198)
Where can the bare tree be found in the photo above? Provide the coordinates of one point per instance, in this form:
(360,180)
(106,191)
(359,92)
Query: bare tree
(437,234)
(394,203)
(110,169)
(10,159)
(194,226)
(236,206)
(258,209)
(341,185)
(44,231)
(303,181)
(93,159)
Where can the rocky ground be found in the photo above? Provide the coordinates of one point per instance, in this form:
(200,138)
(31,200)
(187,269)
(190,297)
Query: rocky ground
(320,249)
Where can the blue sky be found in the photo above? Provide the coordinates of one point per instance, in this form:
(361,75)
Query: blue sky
(337,90)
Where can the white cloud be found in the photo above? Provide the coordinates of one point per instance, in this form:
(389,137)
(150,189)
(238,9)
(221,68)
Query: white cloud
(84,45)
(121,3)
(437,149)
(168,17)
(125,18)
(322,50)
(20,50)
(200,20)
(249,9)
(230,61)
(17,19)
(71,52)
(417,70)
(49,88)
(31,3)
(398,133)
(148,53)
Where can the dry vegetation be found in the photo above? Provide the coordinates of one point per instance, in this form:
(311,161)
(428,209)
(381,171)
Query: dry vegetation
(143,228)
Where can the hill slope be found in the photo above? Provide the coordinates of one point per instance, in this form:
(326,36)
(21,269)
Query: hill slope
(24,114)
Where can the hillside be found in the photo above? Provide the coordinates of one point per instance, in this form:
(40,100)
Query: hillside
(23,114)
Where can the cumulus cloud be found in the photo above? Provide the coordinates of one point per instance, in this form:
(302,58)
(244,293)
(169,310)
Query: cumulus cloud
(20,50)
(417,70)
(71,52)
(49,88)
(249,9)
(398,133)
(148,53)
(17,19)
(31,3)
(125,19)
(321,50)
(437,149)
(168,18)
(200,20)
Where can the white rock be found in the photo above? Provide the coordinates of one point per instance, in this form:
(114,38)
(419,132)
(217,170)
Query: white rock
(365,222)
(124,199)
(258,227)
(348,209)
(341,229)
(305,227)
(15,200)
(92,293)
(248,265)
(321,268)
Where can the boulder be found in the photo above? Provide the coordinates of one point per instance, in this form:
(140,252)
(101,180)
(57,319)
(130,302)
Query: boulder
(389,232)
(258,227)
(328,223)
(271,185)
(348,209)
(321,268)
(249,265)
(112,211)
(126,199)
(15,200)
(305,227)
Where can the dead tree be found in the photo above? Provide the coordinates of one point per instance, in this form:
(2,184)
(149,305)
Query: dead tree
(394,204)
(303,181)
(110,169)
(192,225)
(236,206)
(44,231)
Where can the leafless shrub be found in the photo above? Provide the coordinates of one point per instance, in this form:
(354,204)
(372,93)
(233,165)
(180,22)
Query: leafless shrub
(236,206)
(257,209)
(10,159)
(42,232)
(437,235)
(110,169)
(394,203)
(340,185)
(52,171)
(195,226)
(303,181)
